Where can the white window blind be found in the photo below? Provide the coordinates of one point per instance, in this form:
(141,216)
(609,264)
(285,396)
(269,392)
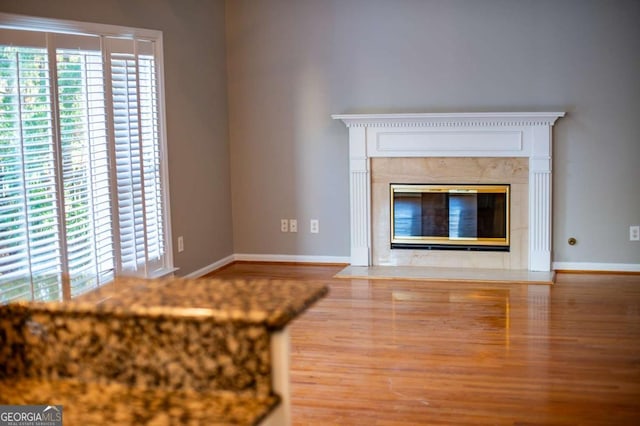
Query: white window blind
(82,187)
(137,155)
(29,219)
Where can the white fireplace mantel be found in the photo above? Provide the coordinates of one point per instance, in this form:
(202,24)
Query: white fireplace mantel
(510,134)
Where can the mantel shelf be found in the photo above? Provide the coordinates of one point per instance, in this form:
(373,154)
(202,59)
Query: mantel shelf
(450,119)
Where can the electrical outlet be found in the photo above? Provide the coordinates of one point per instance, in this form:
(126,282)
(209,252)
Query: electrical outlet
(284,225)
(634,233)
(180,244)
(314,226)
(293,225)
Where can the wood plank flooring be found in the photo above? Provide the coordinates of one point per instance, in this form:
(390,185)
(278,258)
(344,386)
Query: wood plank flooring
(385,352)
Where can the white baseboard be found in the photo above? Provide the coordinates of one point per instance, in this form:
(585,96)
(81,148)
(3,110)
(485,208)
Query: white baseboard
(215,265)
(291,258)
(600,267)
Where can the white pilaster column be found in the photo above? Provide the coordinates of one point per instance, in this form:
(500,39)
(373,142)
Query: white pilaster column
(360,187)
(540,170)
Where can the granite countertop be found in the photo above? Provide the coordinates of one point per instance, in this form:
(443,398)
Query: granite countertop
(156,352)
(273,303)
(98,404)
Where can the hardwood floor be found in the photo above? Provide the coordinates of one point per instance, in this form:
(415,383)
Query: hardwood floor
(385,352)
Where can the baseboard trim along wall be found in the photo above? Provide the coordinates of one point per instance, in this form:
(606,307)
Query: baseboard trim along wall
(596,267)
(210,268)
(291,258)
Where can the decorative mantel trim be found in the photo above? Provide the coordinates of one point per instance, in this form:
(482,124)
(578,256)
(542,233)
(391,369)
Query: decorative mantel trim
(470,119)
(479,134)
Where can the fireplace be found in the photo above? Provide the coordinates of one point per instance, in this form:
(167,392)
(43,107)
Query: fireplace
(442,142)
(449,217)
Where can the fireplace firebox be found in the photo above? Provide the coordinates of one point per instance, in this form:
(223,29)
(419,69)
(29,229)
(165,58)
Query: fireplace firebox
(450,217)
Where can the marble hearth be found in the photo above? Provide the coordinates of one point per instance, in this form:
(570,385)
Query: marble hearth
(511,148)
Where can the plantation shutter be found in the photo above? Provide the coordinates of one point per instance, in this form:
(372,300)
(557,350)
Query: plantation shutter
(137,165)
(30,256)
(81,182)
(84,161)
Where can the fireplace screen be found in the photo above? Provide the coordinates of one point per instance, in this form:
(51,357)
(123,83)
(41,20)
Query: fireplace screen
(453,217)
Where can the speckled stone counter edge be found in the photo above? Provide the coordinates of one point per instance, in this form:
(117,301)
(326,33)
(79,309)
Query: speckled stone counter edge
(271,302)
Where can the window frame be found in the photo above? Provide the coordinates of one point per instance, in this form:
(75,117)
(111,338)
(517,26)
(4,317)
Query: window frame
(61,26)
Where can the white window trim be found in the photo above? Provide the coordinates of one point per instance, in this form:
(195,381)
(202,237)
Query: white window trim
(34,23)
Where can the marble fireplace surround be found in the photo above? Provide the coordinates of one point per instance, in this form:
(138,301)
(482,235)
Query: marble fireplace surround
(449,135)
(447,170)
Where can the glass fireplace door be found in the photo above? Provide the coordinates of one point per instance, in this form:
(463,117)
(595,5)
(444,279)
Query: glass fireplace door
(462,217)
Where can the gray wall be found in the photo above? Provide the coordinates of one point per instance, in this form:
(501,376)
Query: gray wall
(196,101)
(291,63)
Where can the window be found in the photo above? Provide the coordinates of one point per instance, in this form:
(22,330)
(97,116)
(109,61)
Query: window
(83,193)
